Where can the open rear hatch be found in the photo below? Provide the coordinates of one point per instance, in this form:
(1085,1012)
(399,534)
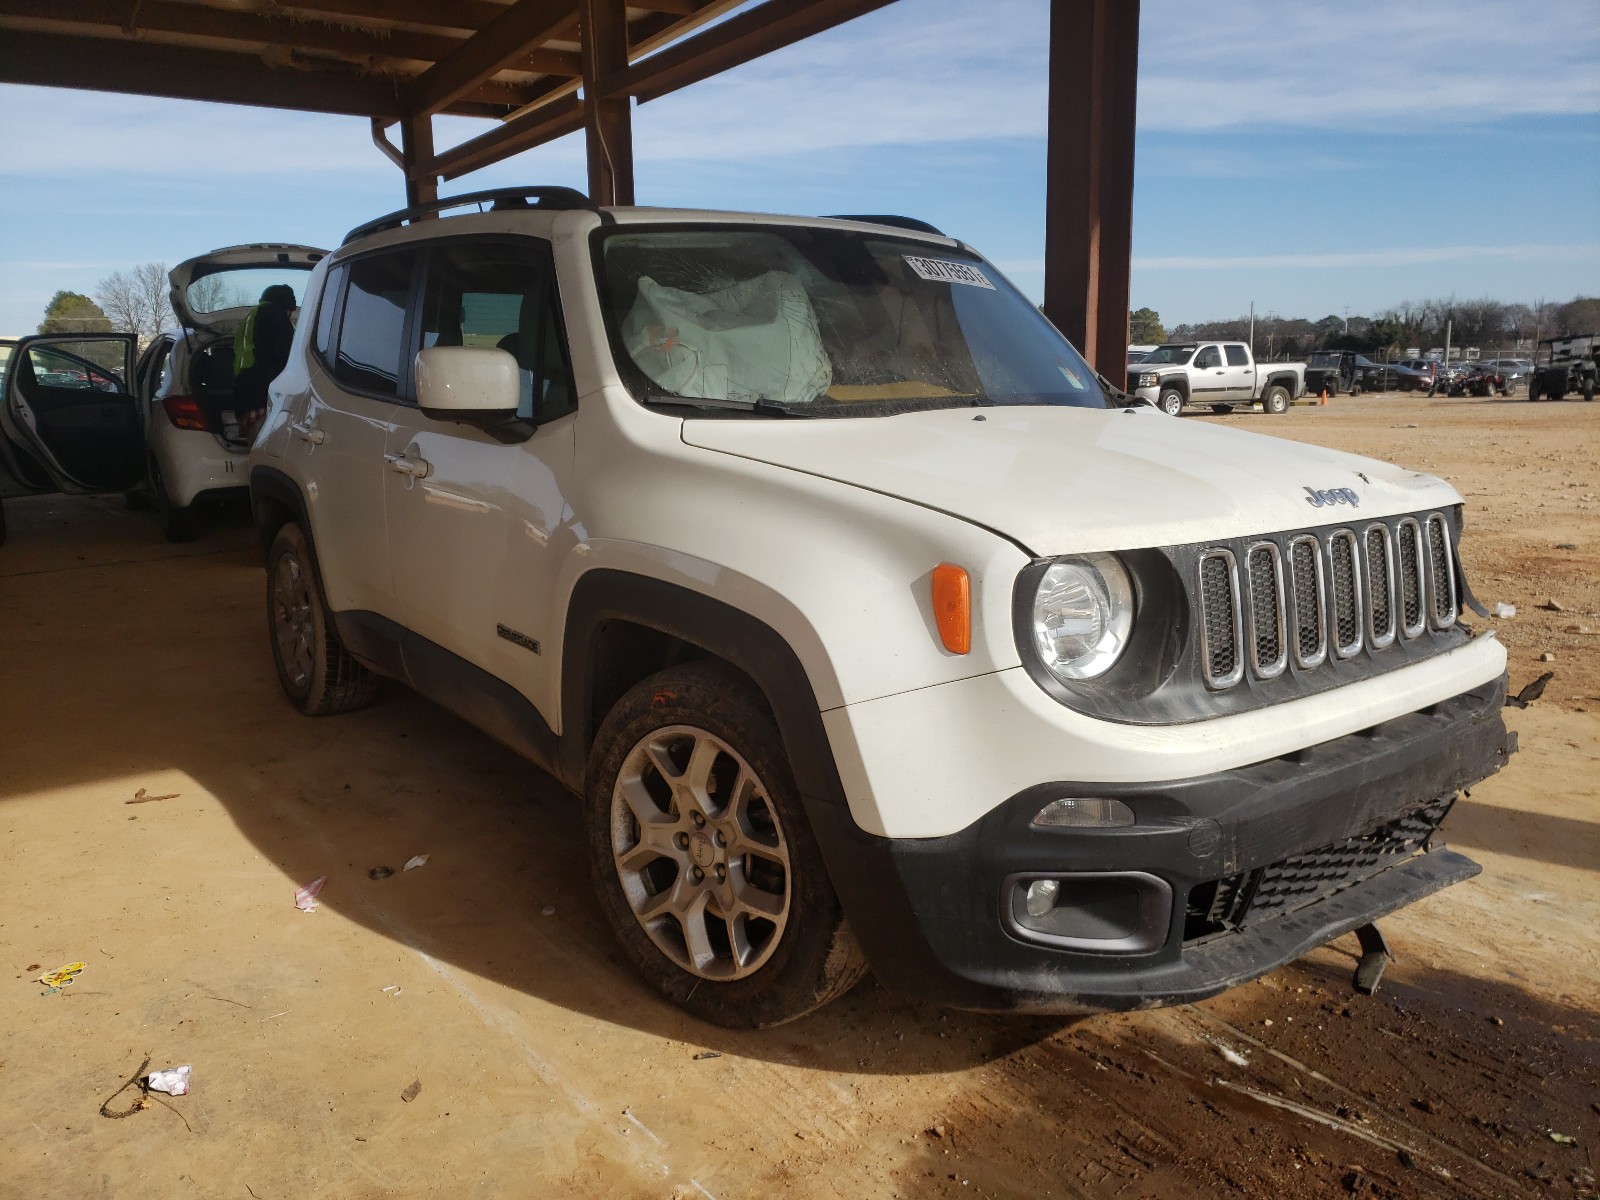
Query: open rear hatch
(211,296)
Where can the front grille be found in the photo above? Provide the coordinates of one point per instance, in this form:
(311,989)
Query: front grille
(1249,897)
(1346,586)
(1219,602)
(1380,586)
(1318,595)
(1269,655)
(1441,579)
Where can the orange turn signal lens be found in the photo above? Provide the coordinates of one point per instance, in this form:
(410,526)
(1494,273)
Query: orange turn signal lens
(952,607)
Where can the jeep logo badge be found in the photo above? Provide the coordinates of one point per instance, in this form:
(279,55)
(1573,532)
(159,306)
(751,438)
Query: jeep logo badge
(1332,496)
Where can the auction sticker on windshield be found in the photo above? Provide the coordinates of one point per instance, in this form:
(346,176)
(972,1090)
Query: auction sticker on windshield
(941,270)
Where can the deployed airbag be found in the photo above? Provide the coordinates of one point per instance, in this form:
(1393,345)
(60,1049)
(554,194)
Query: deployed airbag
(750,340)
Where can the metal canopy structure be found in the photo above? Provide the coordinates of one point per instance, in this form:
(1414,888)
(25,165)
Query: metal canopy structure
(546,68)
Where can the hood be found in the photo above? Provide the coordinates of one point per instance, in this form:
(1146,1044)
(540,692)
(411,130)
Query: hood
(238,275)
(1067,480)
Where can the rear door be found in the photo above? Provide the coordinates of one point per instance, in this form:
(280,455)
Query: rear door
(70,416)
(1238,373)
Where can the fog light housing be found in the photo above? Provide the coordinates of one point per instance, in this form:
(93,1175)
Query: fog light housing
(1105,912)
(1079,813)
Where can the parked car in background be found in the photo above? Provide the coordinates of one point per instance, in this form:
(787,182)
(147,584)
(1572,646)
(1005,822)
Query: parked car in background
(194,441)
(1425,369)
(1516,371)
(1566,364)
(1223,375)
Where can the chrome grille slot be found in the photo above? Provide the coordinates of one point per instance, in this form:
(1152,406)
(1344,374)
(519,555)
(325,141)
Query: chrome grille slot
(1221,655)
(1310,592)
(1269,653)
(1344,574)
(1408,565)
(1442,604)
(1380,585)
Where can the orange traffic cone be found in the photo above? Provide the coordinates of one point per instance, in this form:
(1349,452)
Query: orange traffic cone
(1324,399)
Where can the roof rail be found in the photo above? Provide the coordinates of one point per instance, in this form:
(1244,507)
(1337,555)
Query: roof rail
(498,199)
(887,219)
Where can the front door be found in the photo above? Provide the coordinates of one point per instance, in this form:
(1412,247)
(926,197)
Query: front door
(1206,382)
(476,522)
(70,412)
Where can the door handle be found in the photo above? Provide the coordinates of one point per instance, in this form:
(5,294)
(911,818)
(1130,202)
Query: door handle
(416,468)
(308,432)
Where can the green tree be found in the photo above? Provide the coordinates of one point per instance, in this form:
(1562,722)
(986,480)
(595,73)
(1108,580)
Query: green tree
(72,312)
(1144,327)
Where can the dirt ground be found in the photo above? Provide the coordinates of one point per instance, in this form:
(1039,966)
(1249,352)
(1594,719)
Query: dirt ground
(545,1069)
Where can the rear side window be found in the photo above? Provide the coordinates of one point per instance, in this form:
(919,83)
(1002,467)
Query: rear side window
(327,309)
(372,331)
(501,296)
(1237,357)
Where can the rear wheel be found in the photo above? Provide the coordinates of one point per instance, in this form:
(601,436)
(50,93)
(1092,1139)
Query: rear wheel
(1533,388)
(1171,401)
(318,674)
(1275,400)
(179,522)
(702,858)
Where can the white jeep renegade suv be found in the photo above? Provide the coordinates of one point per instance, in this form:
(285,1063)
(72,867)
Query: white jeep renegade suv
(871,630)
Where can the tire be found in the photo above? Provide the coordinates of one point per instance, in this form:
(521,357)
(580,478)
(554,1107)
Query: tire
(1275,400)
(676,755)
(1333,389)
(1170,401)
(179,522)
(318,674)
(1533,390)
(1588,391)
(1355,389)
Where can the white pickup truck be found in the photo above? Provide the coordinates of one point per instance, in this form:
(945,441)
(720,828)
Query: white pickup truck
(1221,374)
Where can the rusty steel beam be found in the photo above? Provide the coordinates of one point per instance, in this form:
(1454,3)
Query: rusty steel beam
(608,123)
(183,73)
(1094,70)
(749,35)
(518,31)
(416,152)
(465,15)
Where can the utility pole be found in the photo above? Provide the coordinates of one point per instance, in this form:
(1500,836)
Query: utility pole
(1252,329)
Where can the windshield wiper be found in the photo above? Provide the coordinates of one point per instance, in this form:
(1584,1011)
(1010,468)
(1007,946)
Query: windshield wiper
(762,405)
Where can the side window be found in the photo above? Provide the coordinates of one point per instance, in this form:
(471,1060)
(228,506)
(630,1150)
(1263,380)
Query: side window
(1237,357)
(1208,357)
(372,332)
(327,309)
(501,296)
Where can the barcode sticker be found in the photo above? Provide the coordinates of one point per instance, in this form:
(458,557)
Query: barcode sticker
(941,270)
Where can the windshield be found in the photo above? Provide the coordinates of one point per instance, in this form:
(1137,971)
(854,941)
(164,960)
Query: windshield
(242,287)
(1169,354)
(826,322)
(1324,359)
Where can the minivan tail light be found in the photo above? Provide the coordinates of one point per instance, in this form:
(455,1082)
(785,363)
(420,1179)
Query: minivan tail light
(185,412)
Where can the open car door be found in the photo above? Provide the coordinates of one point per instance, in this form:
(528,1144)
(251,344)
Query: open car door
(70,418)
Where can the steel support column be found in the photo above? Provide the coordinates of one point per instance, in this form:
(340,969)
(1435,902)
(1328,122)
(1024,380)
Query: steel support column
(608,120)
(1088,242)
(416,148)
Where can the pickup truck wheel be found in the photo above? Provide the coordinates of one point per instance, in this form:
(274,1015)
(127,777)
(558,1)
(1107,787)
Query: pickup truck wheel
(701,856)
(318,674)
(1171,401)
(1276,400)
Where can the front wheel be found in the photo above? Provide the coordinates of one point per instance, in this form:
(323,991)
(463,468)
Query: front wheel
(702,858)
(1276,400)
(318,674)
(1171,401)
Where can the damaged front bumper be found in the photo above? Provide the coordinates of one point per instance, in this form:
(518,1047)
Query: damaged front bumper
(1219,879)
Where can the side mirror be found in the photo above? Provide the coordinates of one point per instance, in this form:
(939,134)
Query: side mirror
(465,383)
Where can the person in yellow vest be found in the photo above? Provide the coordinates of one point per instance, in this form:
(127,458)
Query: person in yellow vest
(260,352)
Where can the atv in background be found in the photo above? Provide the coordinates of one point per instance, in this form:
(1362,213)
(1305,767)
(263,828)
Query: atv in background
(1565,364)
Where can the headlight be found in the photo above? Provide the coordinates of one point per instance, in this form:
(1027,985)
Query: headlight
(1082,615)
(1148,379)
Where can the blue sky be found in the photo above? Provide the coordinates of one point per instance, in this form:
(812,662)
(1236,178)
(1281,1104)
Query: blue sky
(1306,156)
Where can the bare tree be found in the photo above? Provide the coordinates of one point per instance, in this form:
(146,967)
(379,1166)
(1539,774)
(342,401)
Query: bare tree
(136,300)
